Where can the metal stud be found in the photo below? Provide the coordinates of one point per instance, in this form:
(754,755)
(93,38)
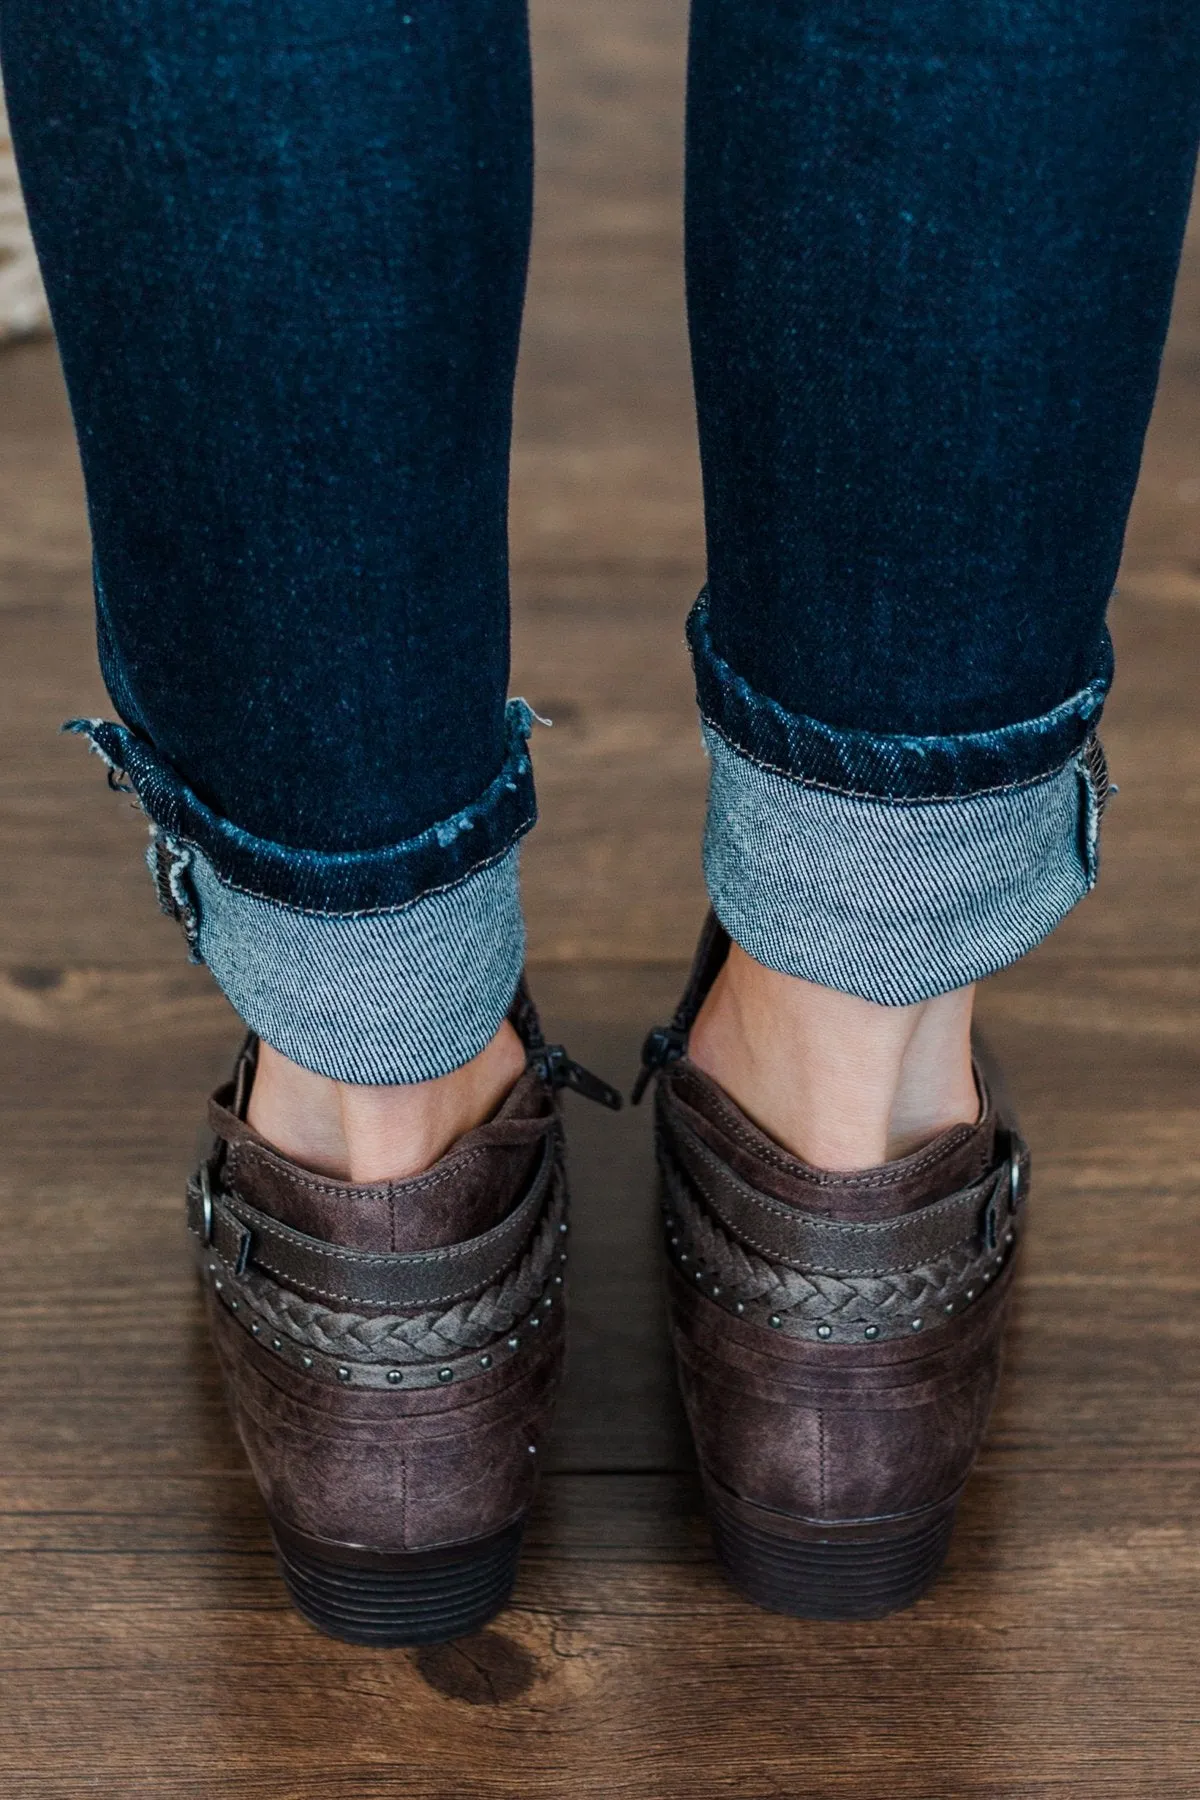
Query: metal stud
(823,1331)
(970,1293)
(547,1300)
(255,1328)
(275,1344)
(212,1268)
(739,1307)
(562,1256)
(872,1331)
(343,1373)
(514,1343)
(233,1306)
(562,1226)
(485,1361)
(395,1377)
(683,1256)
(1008,1237)
(445,1374)
(308,1362)
(715,1290)
(533,1449)
(219,1285)
(775,1321)
(917,1324)
(558,1281)
(533,1322)
(949,1306)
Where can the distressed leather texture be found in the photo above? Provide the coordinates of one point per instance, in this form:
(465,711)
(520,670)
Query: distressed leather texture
(837,1337)
(391,1353)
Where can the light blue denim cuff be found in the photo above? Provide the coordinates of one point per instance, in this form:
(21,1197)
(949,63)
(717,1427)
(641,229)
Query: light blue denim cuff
(390,996)
(896,899)
(385,966)
(894,867)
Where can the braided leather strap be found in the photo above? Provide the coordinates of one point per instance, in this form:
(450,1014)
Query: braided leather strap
(420,1348)
(824,1303)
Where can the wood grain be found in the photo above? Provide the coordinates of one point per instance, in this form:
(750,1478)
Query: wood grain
(147,1650)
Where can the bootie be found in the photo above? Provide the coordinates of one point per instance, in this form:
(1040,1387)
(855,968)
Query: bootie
(391,1353)
(837,1336)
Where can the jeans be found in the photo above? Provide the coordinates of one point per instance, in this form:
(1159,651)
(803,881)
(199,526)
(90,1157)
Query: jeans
(930,257)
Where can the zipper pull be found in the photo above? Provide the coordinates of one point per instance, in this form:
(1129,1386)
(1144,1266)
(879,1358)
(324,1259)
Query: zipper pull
(665,1044)
(558,1070)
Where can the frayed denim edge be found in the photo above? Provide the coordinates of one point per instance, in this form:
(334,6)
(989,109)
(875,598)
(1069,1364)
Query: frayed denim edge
(383,994)
(339,883)
(876,766)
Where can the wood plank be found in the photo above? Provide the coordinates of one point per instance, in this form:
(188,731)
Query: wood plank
(147,1650)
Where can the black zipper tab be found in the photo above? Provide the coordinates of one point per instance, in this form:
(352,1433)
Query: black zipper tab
(665,1044)
(558,1070)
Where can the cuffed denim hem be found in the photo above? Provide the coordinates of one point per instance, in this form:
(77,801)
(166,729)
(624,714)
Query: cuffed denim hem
(350,881)
(894,894)
(878,766)
(384,966)
(394,996)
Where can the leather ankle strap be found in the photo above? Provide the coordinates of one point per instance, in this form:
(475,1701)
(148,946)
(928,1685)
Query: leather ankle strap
(983,1212)
(243,1238)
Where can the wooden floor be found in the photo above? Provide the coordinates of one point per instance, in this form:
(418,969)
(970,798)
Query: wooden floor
(145,1645)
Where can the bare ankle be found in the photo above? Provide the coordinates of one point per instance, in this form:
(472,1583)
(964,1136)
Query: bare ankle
(937,1085)
(838,1081)
(297,1112)
(367,1134)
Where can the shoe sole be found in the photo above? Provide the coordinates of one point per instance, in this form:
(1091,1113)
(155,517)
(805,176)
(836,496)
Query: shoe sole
(397,1598)
(812,1570)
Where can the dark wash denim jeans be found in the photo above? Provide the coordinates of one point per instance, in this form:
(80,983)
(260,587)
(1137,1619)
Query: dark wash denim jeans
(930,255)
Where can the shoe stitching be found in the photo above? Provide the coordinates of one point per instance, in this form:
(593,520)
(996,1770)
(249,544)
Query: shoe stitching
(347,1190)
(821,1455)
(289,1284)
(878,1229)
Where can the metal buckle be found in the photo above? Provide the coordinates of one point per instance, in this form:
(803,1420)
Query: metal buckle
(245,1246)
(206,1205)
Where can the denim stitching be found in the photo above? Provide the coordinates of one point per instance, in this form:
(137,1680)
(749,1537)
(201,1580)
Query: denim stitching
(382,864)
(822,787)
(367,912)
(1083,709)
